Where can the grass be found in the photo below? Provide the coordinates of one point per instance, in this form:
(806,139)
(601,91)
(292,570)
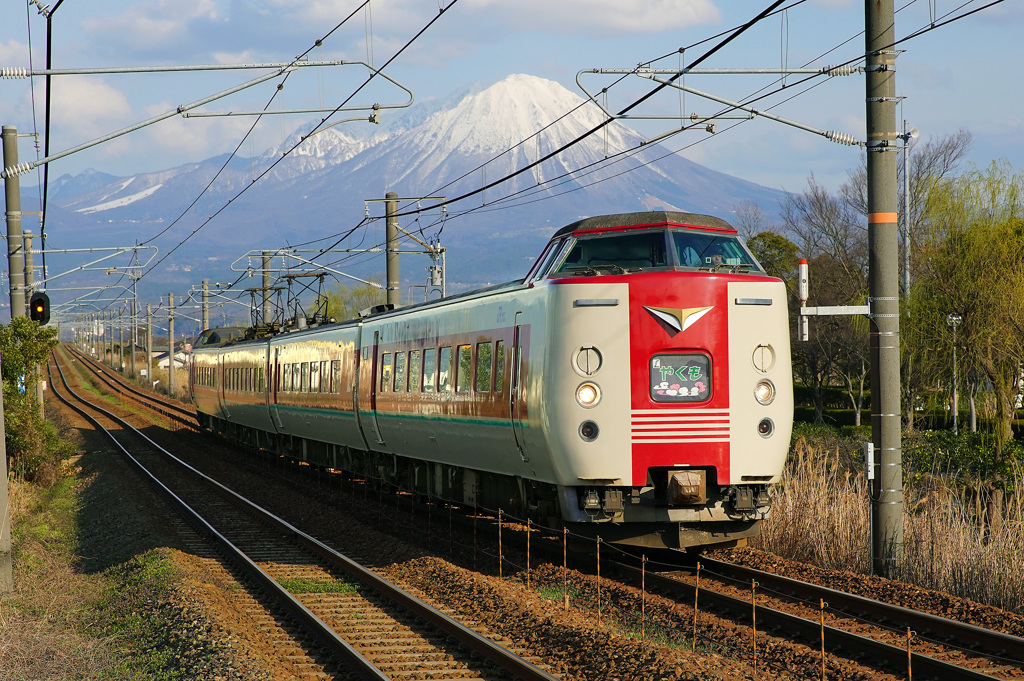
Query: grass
(821,514)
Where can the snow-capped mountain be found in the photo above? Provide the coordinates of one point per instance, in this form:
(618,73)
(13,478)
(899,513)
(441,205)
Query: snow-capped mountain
(449,147)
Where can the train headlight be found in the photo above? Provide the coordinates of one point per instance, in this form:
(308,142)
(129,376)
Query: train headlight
(588,394)
(589,431)
(764,391)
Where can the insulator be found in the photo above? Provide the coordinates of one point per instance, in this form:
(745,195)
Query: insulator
(843,70)
(841,138)
(12,171)
(13,72)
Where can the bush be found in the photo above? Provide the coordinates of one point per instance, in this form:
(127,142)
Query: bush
(34,448)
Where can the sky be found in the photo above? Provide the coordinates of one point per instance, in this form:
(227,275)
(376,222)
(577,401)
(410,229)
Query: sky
(958,76)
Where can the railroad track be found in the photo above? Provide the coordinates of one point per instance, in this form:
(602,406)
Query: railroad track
(344,617)
(866,632)
(863,630)
(171,409)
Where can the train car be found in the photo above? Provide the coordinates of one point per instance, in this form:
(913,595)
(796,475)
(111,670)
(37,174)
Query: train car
(636,385)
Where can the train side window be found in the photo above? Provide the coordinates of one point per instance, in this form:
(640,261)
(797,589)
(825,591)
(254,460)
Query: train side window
(385,373)
(305,377)
(314,377)
(415,370)
(336,375)
(399,372)
(444,370)
(325,378)
(484,360)
(259,380)
(499,364)
(286,377)
(463,377)
(429,369)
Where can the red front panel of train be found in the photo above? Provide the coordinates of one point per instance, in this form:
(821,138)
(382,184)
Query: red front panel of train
(679,372)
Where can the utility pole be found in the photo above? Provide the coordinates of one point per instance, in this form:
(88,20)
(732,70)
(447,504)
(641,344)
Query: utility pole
(29,281)
(135,336)
(149,344)
(206,304)
(884,289)
(15,254)
(120,342)
(16,270)
(170,345)
(266,288)
(391,235)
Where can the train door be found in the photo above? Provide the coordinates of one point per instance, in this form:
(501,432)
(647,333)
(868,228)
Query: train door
(273,383)
(374,379)
(222,393)
(516,389)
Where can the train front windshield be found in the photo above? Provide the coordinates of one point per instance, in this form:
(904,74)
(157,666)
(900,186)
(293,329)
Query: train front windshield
(638,250)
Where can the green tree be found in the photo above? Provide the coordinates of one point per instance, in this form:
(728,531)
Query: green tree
(776,253)
(33,448)
(345,302)
(973,265)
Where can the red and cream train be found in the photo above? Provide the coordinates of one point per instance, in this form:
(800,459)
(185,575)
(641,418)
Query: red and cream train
(636,385)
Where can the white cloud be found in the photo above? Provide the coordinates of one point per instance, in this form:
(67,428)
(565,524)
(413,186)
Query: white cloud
(86,107)
(601,17)
(150,23)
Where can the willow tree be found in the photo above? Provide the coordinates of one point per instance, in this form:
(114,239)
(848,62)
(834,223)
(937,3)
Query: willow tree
(972,265)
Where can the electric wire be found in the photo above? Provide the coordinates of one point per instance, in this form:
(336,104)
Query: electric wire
(917,33)
(303,138)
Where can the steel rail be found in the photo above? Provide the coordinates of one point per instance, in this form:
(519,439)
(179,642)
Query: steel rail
(331,641)
(504,658)
(942,628)
(840,642)
(110,377)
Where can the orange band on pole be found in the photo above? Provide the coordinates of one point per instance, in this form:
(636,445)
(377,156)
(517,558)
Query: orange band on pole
(874,218)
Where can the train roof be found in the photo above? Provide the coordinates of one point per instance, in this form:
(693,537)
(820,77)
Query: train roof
(657,218)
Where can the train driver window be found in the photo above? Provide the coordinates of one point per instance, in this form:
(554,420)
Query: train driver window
(483,367)
(444,370)
(429,369)
(616,253)
(385,373)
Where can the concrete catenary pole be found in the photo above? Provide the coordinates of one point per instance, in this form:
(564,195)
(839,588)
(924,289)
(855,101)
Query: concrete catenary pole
(29,274)
(149,343)
(170,345)
(120,341)
(391,234)
(206,304)
(884,286)
(16,268)
(135,337)
(12,193)
(266,288)
(29,286)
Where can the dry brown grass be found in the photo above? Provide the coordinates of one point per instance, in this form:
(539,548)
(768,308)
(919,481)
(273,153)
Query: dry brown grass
(821,515)
(41,624)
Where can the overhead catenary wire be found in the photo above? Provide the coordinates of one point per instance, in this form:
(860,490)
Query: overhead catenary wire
(498,181)
(315,129)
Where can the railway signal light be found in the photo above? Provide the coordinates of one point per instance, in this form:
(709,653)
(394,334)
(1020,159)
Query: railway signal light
(39,308)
